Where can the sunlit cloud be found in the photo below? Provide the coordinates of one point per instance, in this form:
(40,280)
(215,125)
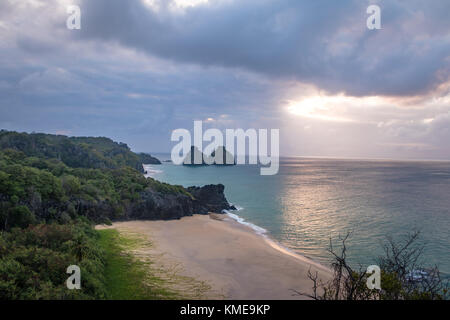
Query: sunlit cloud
(331,108)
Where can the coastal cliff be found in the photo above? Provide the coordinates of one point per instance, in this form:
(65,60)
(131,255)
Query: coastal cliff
(154,205)
(49,178)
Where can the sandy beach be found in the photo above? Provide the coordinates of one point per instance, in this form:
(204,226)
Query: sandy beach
(231,258)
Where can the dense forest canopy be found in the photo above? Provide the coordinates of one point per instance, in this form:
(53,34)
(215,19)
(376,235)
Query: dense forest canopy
(77,152)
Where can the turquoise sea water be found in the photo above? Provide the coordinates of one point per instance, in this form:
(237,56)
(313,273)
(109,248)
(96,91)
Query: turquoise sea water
(311,200)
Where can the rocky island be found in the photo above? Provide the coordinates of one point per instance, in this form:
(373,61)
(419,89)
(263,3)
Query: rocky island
(219,157)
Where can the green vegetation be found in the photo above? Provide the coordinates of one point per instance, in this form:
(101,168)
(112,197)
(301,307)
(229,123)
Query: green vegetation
(52,191)
(76,152)
(403,275)
(34,260)
(166,188)
(37,190)
(126,276)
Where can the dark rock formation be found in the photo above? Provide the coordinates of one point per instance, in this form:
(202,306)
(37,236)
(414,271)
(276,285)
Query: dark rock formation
(189,160)
(224,158)
(211,197)
(156,206)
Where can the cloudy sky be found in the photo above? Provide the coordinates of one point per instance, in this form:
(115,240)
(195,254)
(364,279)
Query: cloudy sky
(139,69)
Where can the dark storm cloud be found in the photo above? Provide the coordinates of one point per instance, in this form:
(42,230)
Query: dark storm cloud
(115,95)
(322,42)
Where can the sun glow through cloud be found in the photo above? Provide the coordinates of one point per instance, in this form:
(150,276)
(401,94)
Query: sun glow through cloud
(331,108)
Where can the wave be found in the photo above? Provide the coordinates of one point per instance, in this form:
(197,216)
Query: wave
(240,220)
(150,171)
(274,243)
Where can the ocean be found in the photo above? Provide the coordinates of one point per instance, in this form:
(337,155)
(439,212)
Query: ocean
(311,201)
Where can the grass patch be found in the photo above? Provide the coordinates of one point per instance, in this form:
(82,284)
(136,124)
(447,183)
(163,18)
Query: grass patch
(126,276)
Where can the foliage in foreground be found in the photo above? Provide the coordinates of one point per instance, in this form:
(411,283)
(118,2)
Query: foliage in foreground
(403,277)
(34,260)
(52,188)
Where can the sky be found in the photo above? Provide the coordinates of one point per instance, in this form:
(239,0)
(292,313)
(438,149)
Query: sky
(138,69)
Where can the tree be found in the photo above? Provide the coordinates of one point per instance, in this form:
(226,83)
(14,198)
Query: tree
(20,216)
(402,275)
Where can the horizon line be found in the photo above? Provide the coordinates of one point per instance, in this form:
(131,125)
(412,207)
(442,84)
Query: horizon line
(337,157)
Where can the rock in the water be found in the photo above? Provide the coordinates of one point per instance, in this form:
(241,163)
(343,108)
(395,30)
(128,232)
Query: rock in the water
(221,157)
(194,158)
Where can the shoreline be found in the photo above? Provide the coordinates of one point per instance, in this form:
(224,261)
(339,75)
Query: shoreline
(265,235)
(232,258)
